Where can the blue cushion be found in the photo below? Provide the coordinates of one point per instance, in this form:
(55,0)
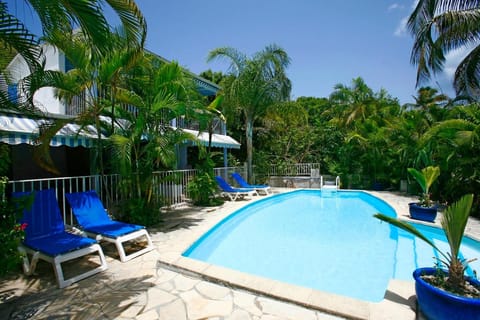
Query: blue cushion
(43,218)
(114,229)
(92,216)
(88,209)
(59,243)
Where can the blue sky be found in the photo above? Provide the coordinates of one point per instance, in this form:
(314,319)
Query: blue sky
(329,42)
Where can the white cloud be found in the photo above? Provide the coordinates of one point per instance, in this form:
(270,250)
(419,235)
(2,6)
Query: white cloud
(444,80)
(395,6)
(453,59)
(401,29)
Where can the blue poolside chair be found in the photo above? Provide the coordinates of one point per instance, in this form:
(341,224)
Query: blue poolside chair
(95,222)
(46,238)
(231,192)
(244,184)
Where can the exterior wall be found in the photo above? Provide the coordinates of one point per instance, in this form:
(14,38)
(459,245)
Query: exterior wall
(44,98)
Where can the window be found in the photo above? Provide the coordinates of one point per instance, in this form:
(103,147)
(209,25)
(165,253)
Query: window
(13,92)
(68,65)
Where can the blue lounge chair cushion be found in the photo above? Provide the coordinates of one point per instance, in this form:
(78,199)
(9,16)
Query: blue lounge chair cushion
(59,244)
(228,188)
(114,229)
(92,216)
(244,184)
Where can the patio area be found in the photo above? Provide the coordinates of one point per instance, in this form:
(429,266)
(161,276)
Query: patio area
(163,285)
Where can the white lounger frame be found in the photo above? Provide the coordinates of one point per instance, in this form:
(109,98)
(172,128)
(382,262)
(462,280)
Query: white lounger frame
(235,195)
(29,267)
(120,240)
(265,189)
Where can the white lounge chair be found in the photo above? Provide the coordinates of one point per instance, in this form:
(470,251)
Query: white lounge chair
(46,239)
(244,184)
(234,193)
(94,221)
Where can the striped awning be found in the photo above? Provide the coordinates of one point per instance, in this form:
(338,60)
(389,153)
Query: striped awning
(218,140)
(17,130)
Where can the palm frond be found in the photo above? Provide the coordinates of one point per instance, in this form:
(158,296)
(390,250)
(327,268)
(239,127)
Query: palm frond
(14,34)
(132,19)
(237,59)
(408,228)
(419,177)
(458,29)
(454,222)
(467,75)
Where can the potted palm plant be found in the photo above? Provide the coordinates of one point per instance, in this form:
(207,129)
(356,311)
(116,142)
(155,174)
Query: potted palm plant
(424,209)
(446,293)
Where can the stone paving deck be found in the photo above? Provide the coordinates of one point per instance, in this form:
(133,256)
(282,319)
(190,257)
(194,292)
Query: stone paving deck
(163,285)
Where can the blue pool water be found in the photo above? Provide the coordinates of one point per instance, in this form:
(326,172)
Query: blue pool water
(328,242)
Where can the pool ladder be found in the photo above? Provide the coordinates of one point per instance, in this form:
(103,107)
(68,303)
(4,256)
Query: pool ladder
(328,185)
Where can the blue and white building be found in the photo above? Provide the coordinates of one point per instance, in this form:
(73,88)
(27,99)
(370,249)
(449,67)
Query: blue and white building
(70,146)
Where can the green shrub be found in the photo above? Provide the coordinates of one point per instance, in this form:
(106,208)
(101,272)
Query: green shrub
(11,232)
(202,188)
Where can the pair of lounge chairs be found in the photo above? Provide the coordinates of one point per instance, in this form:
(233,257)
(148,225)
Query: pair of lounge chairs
(245,189)
(46,238)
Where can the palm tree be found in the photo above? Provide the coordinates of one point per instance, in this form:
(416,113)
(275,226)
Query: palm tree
(353,102)
(97,78)
(440,27)
(257,83)
(428,98)
(143,141)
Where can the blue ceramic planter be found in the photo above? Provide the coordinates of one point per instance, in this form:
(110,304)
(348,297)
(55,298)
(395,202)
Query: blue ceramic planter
(437,304)
(422,213)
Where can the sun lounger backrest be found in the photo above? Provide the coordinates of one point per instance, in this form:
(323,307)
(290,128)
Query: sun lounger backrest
(88,208)
(241,182)
(43,218)
(223,184)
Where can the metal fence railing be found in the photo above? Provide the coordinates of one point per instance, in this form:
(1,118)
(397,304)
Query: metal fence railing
(297,169)
(105,186)
(170,186)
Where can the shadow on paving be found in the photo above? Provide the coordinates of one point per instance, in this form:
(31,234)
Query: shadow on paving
(38,297)
(180,219)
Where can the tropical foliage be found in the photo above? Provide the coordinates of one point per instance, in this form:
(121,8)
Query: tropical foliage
(202,188)
(425,178)
(143,141)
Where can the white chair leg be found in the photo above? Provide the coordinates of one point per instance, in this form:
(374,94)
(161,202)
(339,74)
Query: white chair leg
(57,268)
(121,249)
(57,261)
(27,265)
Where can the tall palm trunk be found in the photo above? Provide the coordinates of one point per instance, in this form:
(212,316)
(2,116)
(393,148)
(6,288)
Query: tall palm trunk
(249,137)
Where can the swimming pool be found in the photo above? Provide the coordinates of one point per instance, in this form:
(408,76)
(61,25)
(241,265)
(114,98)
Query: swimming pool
(329,242)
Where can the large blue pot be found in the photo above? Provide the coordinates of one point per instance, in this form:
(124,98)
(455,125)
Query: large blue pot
(422,213)
(437,304)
